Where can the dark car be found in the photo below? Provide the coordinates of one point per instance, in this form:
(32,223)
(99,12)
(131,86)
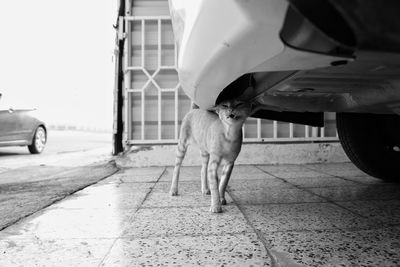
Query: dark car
(299,59)
(21,127)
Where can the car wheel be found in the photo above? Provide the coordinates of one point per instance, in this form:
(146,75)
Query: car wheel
(39,141)
(372,143)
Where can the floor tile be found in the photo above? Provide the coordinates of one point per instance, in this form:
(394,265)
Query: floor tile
(187,173)
(292,171)
(320,182)
(289,175)
(295,214)
(53,252)
(265,184)
(308,216)
(116,196)
(246,172)
(365,179)
(186,221)
(221,250)
(378,247)
(361,192)
(192,173)
(134,175)
(337,169)
(283,168)
(273,195)
(184,187)
(385,211)
(195,199)
(70,223)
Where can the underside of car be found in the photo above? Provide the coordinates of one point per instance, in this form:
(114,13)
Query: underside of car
(366,33)
(362,87)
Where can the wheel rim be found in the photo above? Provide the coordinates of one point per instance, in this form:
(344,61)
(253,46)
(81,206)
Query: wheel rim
(40,139)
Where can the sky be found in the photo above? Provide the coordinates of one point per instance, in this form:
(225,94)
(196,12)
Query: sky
(57,56)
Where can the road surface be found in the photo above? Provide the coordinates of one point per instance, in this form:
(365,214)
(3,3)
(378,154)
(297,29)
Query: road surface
(64,148)
(70,162)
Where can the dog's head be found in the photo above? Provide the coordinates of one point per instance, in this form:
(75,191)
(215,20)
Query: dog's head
(233,111)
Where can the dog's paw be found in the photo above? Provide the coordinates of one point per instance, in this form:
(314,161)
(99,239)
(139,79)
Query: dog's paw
(216,209)
(223,202)
(173,192)
(205,192)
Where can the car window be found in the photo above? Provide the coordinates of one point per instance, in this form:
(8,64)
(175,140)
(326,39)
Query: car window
(4,105)
(7,102)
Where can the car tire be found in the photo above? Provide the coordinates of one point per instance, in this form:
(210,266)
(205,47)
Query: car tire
(39,141)
(372,143)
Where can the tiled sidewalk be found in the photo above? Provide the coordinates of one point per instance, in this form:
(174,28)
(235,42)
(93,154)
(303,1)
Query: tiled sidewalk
(310,215)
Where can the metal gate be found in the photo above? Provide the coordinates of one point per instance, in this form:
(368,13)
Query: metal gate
(155,104)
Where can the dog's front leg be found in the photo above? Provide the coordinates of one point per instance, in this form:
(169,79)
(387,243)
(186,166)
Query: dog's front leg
(226,174)
(213,183)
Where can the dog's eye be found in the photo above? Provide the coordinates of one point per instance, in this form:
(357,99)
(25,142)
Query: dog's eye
(225,105)
(239,104)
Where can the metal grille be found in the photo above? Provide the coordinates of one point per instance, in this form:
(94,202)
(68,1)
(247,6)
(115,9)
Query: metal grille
(155,103)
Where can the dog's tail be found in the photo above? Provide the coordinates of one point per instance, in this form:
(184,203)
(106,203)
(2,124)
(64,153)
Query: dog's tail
(194,106)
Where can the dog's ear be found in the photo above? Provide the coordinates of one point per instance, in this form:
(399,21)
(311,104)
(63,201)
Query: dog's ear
(214,109)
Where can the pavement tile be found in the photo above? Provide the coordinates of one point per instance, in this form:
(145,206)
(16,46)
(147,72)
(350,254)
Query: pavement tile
(384,211)
(159,200)
(245,172)
(360,192)
(377,247)
(220,250)
(184,187)
(70,223)
(273,195)
(263,183)
(189,196)
(365,179)
(192,173)
(320,181)
(308,216)
(115,196)
(309,173)
(187,173)
(136,175)
(294,214)
(128,187)
(194,187)
(143,171)
(283,168)
(291,171)
(151,222)
(346,169)
(53,252)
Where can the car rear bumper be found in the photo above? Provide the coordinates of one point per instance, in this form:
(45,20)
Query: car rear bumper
(221,40)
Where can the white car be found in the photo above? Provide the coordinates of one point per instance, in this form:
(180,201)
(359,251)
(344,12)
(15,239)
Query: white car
(300,58)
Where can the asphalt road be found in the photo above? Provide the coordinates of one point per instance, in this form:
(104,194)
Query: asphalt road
(70,162)
(64,148)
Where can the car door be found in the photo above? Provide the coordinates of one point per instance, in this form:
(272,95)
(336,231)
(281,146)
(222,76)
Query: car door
(24,124)
(7,125)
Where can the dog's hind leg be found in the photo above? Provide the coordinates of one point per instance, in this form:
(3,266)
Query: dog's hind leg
(205,190)
(180,155)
